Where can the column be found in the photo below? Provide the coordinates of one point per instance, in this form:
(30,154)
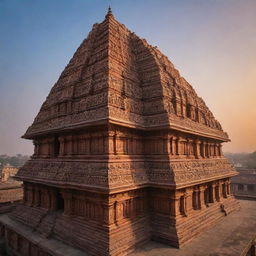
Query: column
(49,144)
(188,201)
(108,213)
(174,149)
(187,145)
(228,188)
(53,199)
(118,211)
(170,148)
(212,193)
(202,145)
(197,149)
(207,149)
(221,190)
(175,209)
(221,153)
(68,207)
(215,150)
(217,192)
(62,146)
(178,146)
(224,190)
(196,199)
(201,196)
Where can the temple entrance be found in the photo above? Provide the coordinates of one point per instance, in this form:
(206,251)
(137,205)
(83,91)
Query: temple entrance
(60,202)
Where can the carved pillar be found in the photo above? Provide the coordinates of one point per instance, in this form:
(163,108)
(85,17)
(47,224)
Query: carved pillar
(221,153)
(86,144)
(173,145)
(49,146)
(197,149)
(74,145)
(108,213)
(228,187)
(209,150)
(214,150)
(68,207)
(166,145)
(68,146)
(53,199)
(195,198)
(201,196)
(217,192)
(118,211)
(188,201)
(46,198)
(207,153)
(170,146)
(62,146)
(178,146)
(220,190)
(175,199)
(224,190)
(212,193)
(202,145)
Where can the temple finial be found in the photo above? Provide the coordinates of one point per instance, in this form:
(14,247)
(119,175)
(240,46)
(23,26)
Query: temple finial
(109,13)
(109,10)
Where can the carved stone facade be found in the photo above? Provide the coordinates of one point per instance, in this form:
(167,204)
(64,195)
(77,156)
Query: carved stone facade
(125,152)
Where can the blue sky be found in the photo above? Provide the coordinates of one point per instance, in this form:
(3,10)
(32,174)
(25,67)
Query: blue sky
(212,43)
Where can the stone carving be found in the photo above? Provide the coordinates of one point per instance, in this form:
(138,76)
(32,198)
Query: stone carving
(125,151)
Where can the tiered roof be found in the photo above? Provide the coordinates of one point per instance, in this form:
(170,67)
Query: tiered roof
(117,77)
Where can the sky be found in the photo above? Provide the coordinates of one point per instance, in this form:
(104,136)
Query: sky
(211,42)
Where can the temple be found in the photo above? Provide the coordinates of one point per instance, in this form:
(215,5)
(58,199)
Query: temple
(124,152)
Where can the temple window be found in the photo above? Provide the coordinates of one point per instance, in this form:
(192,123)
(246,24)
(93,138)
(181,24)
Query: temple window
(60,201)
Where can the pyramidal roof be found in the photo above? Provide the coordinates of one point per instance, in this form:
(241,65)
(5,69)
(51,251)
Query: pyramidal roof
(117,77)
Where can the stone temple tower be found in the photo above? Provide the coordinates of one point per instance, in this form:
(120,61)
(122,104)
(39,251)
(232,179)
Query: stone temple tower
(125,151)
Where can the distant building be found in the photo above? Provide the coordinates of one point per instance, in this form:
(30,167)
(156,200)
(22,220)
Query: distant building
(7,172)
(244,185)
(11,191)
